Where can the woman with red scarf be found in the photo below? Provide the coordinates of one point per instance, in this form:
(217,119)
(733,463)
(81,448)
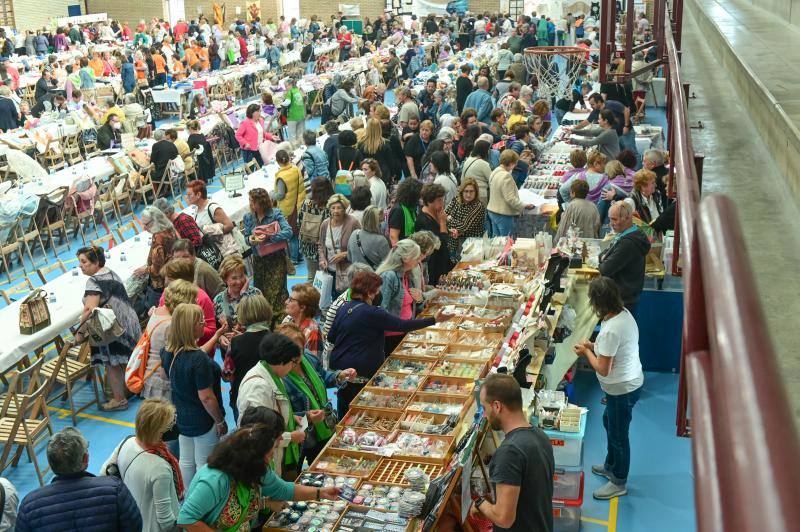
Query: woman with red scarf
(148,469)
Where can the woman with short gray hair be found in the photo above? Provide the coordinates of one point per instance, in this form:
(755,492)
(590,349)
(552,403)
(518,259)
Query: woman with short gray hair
(368,244)
(163,237)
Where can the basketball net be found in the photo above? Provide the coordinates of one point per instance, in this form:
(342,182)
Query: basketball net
(556,78)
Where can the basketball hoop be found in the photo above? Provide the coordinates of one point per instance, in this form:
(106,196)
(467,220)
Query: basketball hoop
(556,77)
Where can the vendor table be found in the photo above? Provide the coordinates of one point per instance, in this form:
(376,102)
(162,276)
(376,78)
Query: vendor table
(68,290)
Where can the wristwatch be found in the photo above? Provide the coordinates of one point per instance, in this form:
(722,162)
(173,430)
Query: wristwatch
(479,502)
(318,496)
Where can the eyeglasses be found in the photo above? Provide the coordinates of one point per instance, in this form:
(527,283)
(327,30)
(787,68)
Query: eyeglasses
(290,298)
(295,362)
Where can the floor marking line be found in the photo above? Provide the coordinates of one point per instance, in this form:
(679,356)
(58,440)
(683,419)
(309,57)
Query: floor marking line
(612,514)
(594,521)
(66,413)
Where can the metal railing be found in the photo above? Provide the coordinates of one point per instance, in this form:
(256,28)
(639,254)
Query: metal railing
(746,450)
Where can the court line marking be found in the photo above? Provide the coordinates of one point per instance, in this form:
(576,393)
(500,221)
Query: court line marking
(64,413)
(612,514)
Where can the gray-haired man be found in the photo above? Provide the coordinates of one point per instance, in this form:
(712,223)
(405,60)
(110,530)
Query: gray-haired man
(76,499)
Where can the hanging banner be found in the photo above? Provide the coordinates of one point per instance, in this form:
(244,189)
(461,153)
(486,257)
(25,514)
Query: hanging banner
(350,10)
(82,19)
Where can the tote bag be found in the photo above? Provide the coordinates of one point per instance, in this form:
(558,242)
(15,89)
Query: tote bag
(323,282)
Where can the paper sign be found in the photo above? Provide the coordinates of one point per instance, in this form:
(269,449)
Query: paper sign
(528,196)
(128,141)
(466,490)
(234,182)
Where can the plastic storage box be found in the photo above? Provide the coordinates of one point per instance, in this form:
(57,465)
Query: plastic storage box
(566,518)
(568,485)
(568,446)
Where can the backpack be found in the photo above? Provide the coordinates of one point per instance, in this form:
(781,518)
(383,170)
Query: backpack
(343,182)
(135,372)
(309,227)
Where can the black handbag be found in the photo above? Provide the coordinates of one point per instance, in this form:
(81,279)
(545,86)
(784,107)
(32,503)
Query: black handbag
(209,252)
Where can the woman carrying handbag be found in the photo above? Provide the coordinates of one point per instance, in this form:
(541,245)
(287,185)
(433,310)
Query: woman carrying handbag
(268,234)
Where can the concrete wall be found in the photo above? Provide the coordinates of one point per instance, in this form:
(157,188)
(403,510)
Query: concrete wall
(788,10)
(778,131)
(31,15)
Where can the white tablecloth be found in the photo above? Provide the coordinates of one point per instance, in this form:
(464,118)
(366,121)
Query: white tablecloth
(95,168)
(67,309)
(238,206)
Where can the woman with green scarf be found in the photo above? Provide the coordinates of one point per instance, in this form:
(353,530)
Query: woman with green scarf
(237,483)
(403,216)
(307,386)
(263,385)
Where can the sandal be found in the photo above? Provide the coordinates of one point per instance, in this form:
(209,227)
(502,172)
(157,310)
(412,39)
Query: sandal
(114,405)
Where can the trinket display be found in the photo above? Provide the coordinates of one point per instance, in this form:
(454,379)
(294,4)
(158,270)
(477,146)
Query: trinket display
(371,420)
(396,364)
(360,520)
(447,386)
(381,399)
(396,382)
(459,369)
(345,464)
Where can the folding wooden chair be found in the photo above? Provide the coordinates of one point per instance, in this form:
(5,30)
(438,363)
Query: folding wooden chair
(104,202)
(71,366)
(44,270)
(123,194)
(72,149)
(55,221)
(251,166)
(25,424)
(145,185)
(29,231)
(18,291)
(109,238)
(10,244)
(81,218)
(130,226)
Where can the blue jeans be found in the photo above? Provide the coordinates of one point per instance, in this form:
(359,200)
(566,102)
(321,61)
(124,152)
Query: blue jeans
(294,250)
(604,205)
(310,67)
(501,224)
(628,142)
(479,38)
(560,36)
(617,420)
(559,115)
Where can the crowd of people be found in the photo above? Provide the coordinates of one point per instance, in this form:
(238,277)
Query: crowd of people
(382,209)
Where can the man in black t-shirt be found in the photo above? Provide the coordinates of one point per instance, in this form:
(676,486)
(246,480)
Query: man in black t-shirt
(621,114)
(522,468)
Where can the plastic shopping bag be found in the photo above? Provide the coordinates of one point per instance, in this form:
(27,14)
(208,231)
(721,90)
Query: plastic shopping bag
(323,282)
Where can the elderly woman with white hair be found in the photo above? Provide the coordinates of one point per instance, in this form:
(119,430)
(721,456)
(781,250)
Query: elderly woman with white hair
(334,239)
(163,237)
(401,287)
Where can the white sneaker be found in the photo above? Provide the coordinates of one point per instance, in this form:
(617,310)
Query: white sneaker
(609,491)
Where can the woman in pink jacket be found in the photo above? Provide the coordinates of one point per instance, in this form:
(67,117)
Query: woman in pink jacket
(251,133)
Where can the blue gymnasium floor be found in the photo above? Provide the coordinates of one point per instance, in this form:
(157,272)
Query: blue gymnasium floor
(660,490)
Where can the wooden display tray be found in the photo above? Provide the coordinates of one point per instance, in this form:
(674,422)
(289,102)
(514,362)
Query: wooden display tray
(478,339)
(379,413)
(468,383)
(390,471)
(430,356)
(393,360)
(412,524)
(478,367)
(372,384)
(429,335)
(443,460)
(330,452)
(333,442)
(439,399)
(380,391)
(457,352)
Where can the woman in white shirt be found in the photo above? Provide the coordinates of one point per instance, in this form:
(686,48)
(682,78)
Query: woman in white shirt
(372,171)
(615,357)
(440,166)
(148,469)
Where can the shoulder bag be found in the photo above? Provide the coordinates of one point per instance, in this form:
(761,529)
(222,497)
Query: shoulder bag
(364,253)
(33,312)
(309,228)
